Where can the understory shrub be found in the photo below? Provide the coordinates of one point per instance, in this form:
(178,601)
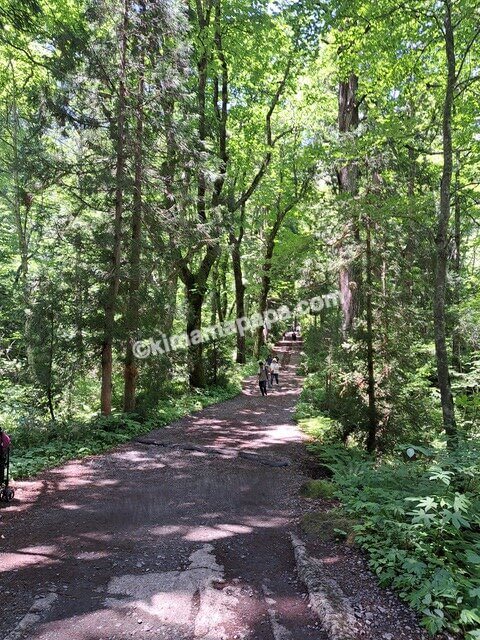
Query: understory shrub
(418,517)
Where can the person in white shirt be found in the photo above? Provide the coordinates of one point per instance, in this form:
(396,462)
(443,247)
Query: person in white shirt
(274,369)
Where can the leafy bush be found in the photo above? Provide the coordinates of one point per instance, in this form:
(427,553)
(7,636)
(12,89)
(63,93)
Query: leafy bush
(419,521)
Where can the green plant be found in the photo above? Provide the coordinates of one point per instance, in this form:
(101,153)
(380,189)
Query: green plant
(319,489)
(419,521)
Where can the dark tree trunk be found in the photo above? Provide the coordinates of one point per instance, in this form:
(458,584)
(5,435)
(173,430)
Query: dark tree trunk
(348,185)
(265,284)
(442,240)
(239,296)
(51,350)
(133,310)
(196,282)
(194,323)
(372,412)
(114,279)
(195,290)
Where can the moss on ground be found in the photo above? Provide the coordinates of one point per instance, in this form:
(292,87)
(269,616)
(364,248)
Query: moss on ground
(318,489)
(330,525)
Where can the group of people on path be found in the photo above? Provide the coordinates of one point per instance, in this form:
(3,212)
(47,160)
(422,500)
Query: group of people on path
(268,373)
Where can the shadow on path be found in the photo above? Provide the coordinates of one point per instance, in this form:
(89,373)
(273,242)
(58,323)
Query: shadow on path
(167,541)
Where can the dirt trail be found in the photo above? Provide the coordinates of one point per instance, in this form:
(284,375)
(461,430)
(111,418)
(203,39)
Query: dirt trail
(184,540)
(185,536)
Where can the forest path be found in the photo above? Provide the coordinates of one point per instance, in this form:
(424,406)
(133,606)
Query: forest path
(183,536)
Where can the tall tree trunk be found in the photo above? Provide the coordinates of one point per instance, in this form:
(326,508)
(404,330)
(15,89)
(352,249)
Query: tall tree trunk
(264,287)
(442,240)
(348,186)
(195,283)
(195,290)
(223,288)
(457,261)
(79,302)
(195,300)
(51,349)
(133,311)
(241,356)
(372,412)
(114,279)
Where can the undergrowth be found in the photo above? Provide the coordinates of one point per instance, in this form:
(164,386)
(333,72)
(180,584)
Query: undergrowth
(416,507)
(420,525)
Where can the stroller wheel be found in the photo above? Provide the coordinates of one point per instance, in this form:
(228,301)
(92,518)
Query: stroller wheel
(7,494)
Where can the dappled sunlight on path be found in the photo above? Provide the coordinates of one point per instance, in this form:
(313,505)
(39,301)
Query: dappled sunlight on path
(180,536)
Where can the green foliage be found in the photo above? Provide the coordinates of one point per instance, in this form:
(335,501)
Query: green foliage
(319,489)
(318,427)
(419,522)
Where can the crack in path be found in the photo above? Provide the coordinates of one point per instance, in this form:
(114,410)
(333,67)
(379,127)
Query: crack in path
(269,461)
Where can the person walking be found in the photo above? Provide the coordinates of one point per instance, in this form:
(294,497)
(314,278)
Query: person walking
(274,369)
(268,364)
(262,378)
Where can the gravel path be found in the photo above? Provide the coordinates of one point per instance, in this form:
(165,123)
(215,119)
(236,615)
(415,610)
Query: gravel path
(183,536)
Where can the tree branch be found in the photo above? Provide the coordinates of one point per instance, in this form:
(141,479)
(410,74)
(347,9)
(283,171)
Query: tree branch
(270,141)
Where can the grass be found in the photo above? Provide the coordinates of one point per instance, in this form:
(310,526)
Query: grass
(316,427)
(329,526)
(319,489)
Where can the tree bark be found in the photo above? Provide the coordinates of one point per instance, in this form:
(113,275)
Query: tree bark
(442,240)
(195,300)
(348,185)
(241,355)
(133,310)
(51,349)
(265,282)
(114,279)
(457,262)
(267,265)
(372,412)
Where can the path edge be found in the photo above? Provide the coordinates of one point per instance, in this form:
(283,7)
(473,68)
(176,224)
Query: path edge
(326,597)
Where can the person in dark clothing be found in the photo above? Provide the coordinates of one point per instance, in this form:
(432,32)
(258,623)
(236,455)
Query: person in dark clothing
(262,378)
(268,365)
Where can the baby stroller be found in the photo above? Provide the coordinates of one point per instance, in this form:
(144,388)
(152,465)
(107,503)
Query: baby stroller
(6,492)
